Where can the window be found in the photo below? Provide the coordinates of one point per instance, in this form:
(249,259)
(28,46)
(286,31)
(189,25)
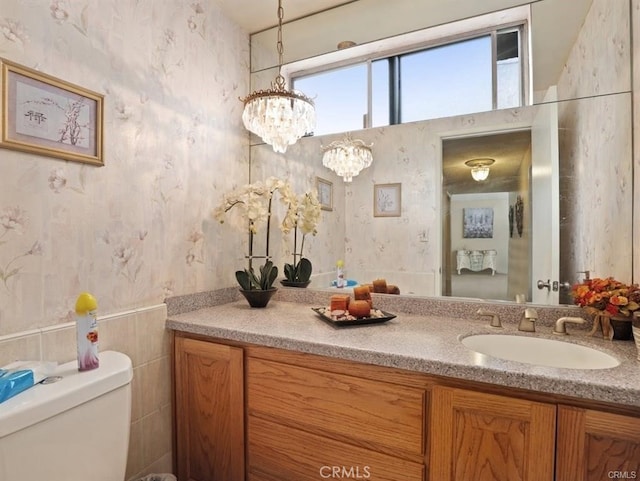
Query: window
(473,73)
(340,96)
(451,79)
(509,69)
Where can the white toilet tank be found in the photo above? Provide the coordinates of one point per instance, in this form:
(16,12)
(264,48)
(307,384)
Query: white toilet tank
(76,429)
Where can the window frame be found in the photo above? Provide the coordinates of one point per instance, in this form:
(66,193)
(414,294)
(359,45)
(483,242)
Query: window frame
(396,46)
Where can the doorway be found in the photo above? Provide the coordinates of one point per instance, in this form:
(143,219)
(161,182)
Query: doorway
(484,256)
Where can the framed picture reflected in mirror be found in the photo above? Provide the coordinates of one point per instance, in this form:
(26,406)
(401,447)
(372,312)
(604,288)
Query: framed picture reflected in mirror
(325,193)
(387,200)
(477,223)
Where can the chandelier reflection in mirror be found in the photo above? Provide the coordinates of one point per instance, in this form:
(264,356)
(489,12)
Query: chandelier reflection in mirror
(347,157)
(479,168)
(277,115)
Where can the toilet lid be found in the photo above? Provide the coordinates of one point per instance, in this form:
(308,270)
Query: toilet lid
(43,401)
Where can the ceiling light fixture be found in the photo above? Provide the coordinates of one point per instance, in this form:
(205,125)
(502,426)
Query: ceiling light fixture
(479,168)
(277,115)
(346,44)
(347,157)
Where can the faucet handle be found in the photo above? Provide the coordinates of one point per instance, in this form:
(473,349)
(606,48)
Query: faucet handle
(528,320)
(561,328)
(587,275)
(495,318)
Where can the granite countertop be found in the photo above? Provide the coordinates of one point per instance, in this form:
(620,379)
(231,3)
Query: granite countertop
(418,342)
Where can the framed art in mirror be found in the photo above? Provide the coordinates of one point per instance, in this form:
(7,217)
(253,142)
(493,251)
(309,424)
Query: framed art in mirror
(43,115)
(477,223)
(325,193)
(387,200)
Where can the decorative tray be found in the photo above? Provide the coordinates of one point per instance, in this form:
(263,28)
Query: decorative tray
(377,317)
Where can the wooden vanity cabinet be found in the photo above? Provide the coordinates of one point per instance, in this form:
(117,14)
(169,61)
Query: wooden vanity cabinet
(477,436)
(209,411)
(594,445)
(261,414)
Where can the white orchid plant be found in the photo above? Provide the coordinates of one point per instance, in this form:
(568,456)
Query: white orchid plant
(255,202)
(302,215)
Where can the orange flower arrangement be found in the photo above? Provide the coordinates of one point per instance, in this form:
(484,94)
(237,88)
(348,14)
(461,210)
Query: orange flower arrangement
(607,297)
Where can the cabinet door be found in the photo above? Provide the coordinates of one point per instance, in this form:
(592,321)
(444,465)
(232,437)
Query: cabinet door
(209,411)
(486,437)
(593,445)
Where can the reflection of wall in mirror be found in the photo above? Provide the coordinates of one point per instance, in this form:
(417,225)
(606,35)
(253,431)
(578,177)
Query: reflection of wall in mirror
(520,246)
(410,153)
(596,141)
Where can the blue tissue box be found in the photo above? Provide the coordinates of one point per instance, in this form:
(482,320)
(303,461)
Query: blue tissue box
(13,382)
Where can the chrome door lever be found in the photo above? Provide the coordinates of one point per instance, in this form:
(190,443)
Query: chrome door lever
(542,284)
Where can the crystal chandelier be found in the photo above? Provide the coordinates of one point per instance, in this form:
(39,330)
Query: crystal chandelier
(479,168)
(347,157)
(277,115)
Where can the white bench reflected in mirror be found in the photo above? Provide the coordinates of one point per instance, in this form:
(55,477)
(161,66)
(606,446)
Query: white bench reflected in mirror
(476,260)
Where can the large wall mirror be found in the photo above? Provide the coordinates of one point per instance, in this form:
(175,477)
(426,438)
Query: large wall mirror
(559,194)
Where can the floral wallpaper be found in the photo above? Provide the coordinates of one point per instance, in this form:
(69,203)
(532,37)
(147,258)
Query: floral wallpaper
(139,228)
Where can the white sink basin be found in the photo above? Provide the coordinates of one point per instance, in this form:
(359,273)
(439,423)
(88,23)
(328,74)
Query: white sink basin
(539,351)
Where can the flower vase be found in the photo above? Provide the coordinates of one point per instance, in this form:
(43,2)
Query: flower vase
(621,328)
(613,327)
(258,297)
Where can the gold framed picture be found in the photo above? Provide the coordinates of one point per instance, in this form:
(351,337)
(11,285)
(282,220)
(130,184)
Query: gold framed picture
(41,114)
(387,200)
(325,193)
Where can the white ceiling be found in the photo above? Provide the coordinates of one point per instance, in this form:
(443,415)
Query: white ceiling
(256,15)
(509,150)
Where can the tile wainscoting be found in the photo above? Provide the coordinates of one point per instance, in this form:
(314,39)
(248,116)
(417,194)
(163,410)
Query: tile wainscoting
(140,334)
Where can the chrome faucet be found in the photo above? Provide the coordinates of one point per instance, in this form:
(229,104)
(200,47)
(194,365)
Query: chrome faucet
(495,318)
(561,328)
(528,319)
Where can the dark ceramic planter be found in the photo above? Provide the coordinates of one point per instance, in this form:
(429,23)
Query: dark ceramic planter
(258,297)
(621,329)
(295,283)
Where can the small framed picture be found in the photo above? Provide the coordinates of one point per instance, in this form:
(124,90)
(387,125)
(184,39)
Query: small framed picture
(43,115)
(325,193)
(477,223)
(387,200)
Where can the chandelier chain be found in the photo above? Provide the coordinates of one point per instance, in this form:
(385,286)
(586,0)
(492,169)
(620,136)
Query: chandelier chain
(280,46)
(277,115)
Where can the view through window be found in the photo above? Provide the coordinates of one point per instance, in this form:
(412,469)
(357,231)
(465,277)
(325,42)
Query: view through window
(468,75)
